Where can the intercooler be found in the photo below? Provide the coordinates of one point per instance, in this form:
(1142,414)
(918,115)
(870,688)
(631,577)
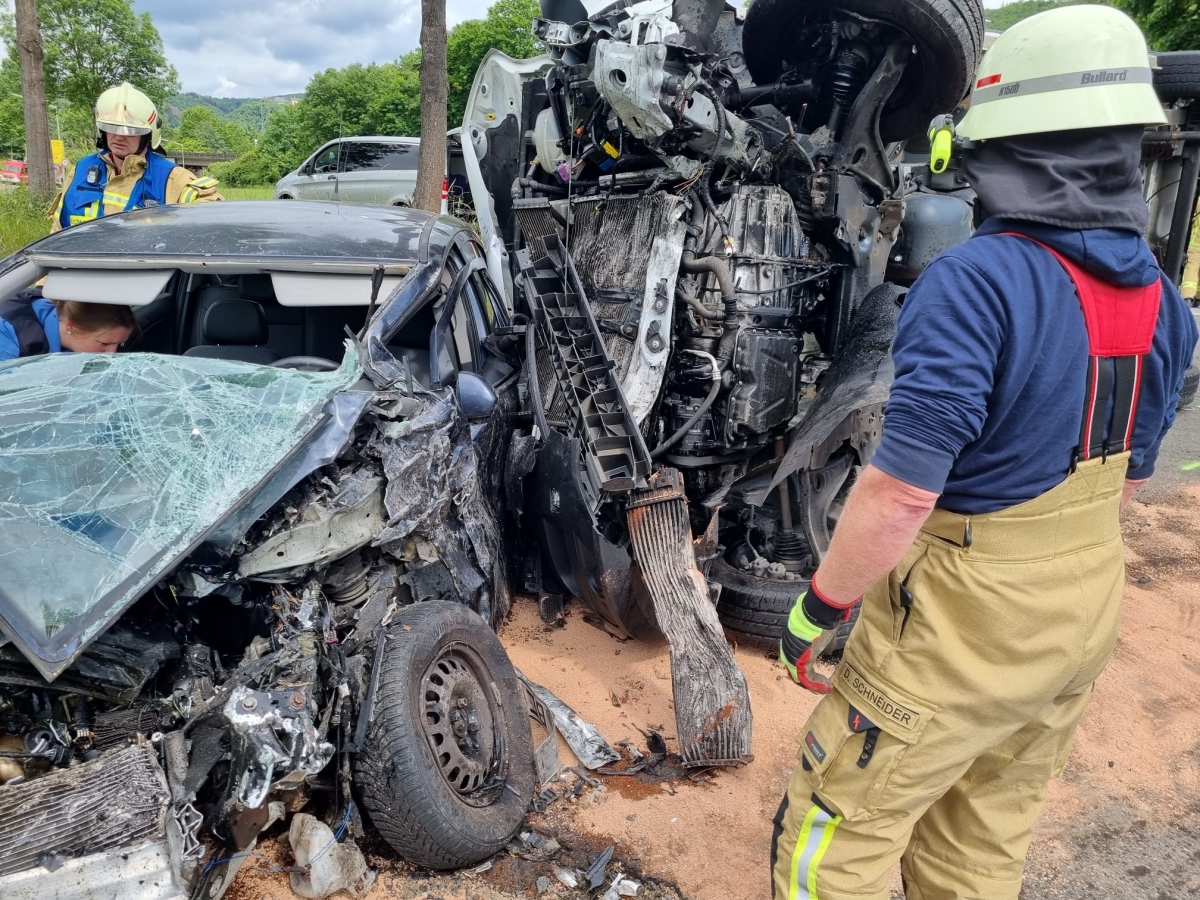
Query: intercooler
(118,800)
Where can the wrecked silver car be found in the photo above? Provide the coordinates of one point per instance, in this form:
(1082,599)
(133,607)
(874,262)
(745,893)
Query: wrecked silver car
(253,567)
(709,215)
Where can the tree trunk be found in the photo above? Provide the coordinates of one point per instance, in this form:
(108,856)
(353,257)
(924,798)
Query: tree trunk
(33,89)
(431,165)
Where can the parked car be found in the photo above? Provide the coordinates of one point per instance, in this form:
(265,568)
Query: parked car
(261,555)
(380,170)
(14,172)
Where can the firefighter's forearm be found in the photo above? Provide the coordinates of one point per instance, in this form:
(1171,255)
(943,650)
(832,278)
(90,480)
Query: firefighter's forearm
(882,517)
(1131,485)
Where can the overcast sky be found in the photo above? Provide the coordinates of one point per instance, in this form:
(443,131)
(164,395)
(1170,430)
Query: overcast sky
(231,48)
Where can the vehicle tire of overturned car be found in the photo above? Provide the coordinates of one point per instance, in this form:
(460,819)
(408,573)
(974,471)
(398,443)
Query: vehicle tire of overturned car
(754,610)
(1191,381)
(1178,75)
(948,35)
(446,683)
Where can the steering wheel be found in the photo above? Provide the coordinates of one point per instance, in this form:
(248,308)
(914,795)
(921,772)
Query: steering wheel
(306,364)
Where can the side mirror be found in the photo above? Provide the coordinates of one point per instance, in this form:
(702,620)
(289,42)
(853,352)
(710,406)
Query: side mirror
(476,398)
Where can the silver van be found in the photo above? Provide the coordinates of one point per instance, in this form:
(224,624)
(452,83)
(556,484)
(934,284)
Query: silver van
(380,170)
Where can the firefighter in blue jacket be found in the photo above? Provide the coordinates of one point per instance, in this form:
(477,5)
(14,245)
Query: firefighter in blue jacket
(126,173)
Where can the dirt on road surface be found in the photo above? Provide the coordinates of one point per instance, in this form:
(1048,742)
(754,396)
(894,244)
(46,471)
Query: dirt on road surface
(1123,821)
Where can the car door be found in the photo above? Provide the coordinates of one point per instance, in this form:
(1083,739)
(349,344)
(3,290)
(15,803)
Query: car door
(316,179)
(360,162)
(399,176)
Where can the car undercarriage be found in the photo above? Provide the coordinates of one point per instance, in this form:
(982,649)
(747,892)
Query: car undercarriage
(709,216)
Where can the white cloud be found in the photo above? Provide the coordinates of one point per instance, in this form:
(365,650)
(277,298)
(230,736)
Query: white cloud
(231,48)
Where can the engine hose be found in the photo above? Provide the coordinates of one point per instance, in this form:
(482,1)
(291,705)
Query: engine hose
(699,308)
(523,184)
(719,270)
(706,198)
(705,406)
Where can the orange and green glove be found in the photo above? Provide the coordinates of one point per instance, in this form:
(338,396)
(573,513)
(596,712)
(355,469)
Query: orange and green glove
(811,626)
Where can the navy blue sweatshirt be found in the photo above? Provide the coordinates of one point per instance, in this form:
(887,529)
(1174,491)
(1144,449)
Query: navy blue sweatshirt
(991,361)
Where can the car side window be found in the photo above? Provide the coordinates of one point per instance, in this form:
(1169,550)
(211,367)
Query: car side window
(327,160)
(399,157)
(358,157)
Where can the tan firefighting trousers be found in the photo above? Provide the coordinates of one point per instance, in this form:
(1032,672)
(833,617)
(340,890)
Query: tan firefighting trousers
(1190,286)
(956,701)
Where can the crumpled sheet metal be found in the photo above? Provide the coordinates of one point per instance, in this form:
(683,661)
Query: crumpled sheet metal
(861,376)
(434,500)
(113,465)
(585,741)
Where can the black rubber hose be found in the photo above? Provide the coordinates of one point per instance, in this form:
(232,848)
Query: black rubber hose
(699,308)
(719,270)
(687,426)
(522,184)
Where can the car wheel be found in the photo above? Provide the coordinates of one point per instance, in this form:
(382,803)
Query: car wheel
(1191,381)
(446,772)
(285,197)
(948,35)
(1178,75)
(754,610)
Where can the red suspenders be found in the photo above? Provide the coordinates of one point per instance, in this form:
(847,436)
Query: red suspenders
(1120,325)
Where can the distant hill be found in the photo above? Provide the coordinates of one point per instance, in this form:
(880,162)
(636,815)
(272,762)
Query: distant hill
(252,112)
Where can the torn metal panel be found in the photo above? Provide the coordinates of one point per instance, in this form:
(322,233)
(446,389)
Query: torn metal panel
(119,800)
(118,465)
(545,754)
(585,741)
(144,872)
(438,515)
(350,519)
(712,701)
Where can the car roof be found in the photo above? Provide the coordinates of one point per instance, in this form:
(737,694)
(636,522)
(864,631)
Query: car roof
(261,234)
(377,139)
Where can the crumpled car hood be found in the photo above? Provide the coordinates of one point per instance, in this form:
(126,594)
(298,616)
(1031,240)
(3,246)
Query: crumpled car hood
(115,467)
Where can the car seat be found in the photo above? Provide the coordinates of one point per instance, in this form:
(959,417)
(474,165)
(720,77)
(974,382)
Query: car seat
(233,328)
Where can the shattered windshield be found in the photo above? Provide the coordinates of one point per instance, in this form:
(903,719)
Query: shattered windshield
(113,466)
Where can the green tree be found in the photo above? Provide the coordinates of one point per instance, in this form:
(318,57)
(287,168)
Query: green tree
(1169,24)
(12,108)
(1011,13)
(506,28)
(199,131)
(92,45)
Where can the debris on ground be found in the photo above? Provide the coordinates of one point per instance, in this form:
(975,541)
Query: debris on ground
(327,867)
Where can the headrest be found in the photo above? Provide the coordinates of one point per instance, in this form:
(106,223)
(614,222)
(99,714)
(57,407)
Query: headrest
(238,323)
(213,292)
(256,287)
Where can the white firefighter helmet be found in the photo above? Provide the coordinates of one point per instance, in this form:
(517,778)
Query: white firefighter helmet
(126,110)
(1064,69)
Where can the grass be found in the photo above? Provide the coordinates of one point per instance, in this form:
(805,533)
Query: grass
(259,192)
(23,219)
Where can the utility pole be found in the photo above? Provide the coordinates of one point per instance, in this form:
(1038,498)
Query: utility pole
(431,163)
(33,87)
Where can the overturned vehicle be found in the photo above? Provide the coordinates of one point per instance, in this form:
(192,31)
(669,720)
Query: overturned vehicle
(244,581)
(708,215)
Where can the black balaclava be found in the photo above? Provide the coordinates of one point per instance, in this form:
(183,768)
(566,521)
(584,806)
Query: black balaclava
(1072,179)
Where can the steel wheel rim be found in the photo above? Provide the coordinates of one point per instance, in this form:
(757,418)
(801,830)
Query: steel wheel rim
(461,721)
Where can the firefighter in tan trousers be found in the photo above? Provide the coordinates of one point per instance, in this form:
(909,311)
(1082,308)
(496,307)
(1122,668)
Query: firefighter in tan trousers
(126,173)
(1190,288)
(1037,369)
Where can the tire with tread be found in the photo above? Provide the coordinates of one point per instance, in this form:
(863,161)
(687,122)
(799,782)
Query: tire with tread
(754,610)
(1178,75)
(396,774)
(948,33)
(1191,381)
